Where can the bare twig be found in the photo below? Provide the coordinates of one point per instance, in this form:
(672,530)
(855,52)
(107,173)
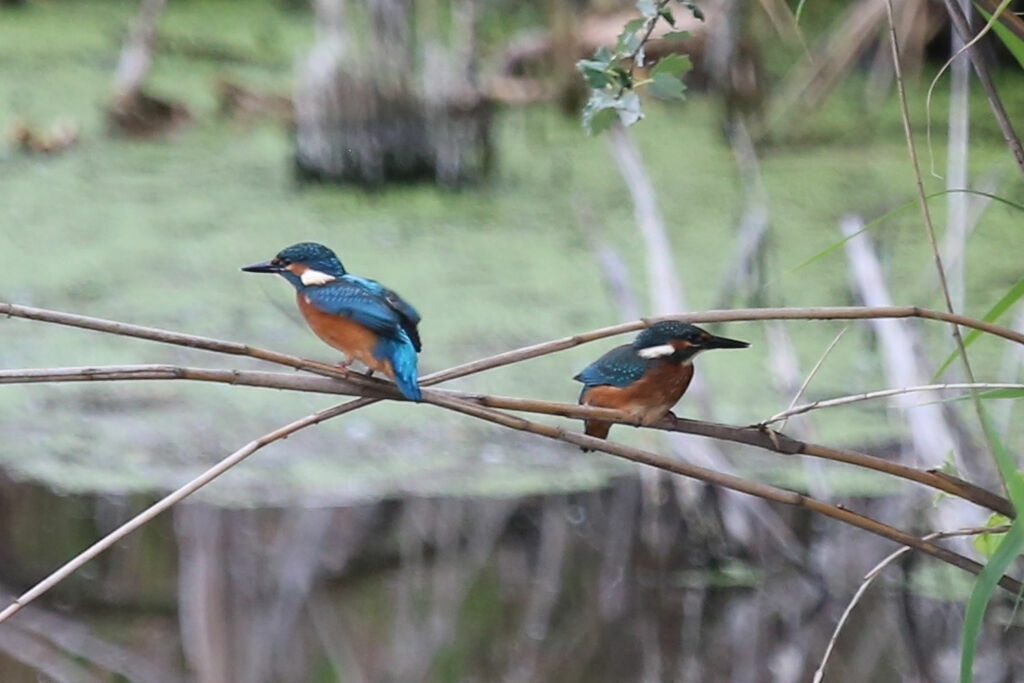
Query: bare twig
(875,572)
(869,395)
(807,380)
(758,436)
(715,316)
(516,355)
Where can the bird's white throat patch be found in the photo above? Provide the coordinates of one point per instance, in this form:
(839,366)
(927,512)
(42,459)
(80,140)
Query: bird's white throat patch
(657,351)
(312,277)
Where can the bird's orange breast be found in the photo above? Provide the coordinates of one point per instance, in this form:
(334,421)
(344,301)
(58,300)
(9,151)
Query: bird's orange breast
(649,398)
(351,338)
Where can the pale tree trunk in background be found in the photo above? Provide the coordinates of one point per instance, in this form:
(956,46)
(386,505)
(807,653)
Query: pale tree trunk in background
(932,438)
(137,53)
(131,110)
(392,106)
(740,514)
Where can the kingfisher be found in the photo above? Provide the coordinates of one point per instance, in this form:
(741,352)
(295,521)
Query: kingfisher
(360,317)
(646,378)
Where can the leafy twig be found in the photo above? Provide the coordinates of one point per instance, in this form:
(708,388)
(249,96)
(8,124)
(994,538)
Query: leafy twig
(610,73)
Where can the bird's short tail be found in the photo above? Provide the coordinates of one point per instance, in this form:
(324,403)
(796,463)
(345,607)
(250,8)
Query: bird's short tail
(403,360)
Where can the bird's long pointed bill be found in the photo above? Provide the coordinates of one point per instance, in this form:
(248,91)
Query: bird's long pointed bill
(263,267)
(725,343)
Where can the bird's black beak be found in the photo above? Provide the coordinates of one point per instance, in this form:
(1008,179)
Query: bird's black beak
(714,342)
(264,267)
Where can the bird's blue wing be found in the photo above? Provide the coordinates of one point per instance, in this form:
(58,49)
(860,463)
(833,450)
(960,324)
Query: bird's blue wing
(409,317)
(619,367)
(358,302)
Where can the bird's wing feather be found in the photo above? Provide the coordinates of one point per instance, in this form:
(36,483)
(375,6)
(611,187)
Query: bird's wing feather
(353,300)
(409,317)
(619,367)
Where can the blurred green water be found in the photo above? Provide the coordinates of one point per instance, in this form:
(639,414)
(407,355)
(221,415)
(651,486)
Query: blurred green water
(154,232)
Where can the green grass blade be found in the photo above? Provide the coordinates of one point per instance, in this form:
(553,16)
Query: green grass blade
(1005,302)
(898,210)
(1002,393)
(984,586)
(1012,477)
(1010,547)
(1014,44)
(799,10)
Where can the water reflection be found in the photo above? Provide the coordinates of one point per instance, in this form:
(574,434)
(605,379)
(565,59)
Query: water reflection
(610,585)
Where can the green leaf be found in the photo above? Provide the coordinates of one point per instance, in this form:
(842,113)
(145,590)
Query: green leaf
(672,65)
(1010,39)
(1010,547)
(1002,393)
(601,109)
(595,73)
(987,543)
(799,11)
(676,35)
(1009,299)
(667,15)
(1012,477)
(622,75)
(667,87)
(598,112)
(633,25)
(1003,555)
(697,12)
(602,121)
(629,40)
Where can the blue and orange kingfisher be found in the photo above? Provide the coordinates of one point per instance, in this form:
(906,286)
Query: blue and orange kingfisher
(360,317)
(646,378)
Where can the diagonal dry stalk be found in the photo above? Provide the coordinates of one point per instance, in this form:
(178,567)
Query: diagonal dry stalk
(758,436)
(922,199)
(167,501)
(450,402)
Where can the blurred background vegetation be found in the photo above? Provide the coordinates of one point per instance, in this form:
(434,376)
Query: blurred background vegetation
(396,543)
